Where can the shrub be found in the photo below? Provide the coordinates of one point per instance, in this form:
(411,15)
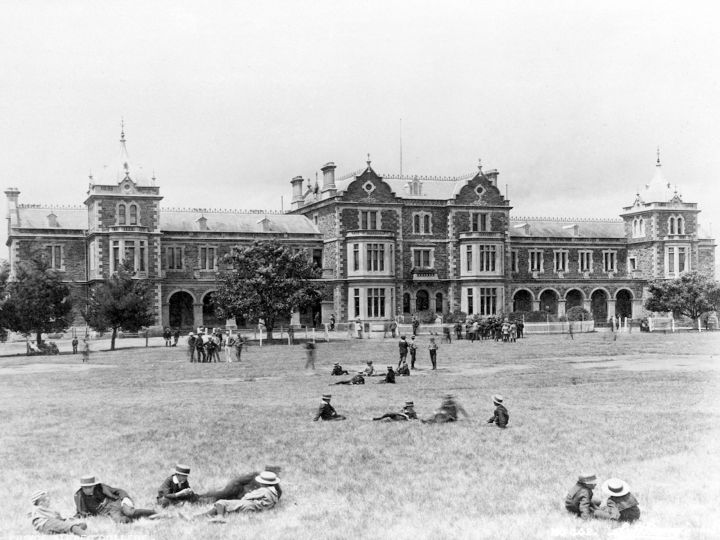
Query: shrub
(455,316)
(518,315)
(578,313)
(426,316)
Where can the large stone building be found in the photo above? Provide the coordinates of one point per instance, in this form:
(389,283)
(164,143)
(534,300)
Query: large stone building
(387,245)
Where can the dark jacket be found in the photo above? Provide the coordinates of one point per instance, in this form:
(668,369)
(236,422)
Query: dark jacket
(169,487)
(409,412)
(390,377)
(403,346)
(623,509)
(579,501)
(338,370)
(500,416)
(85,503)
(325,412)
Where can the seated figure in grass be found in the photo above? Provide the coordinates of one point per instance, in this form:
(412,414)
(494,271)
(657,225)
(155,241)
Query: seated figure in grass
(500,416)
(369,370)
(403,370)
(338,370)
(96,499)
(448,411)
(45,520)
(579,500)
(176,488)
(406,413)
(621,505)
(389,376)
(327,411)
(357,379)
(236,488)
(266,495)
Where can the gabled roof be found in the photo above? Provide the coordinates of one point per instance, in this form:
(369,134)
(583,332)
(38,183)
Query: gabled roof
(35,216)
(534,227)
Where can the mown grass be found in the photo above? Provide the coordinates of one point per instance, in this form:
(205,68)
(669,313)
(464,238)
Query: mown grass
(571,409)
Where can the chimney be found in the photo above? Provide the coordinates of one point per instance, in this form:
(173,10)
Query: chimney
(13,215)
(328,171)
(297,196)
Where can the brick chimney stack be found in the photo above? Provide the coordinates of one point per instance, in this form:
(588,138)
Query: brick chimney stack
(328,171)
(12,194)
(297,196)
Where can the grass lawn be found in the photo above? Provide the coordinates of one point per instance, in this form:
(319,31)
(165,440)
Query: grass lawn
(645,408)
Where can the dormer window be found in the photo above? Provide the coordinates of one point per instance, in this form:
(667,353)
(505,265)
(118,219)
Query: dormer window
(202,223)
(133,214)
(122,218)
(52,220)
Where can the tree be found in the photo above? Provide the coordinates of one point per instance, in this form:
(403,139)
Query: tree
(691,295)
(120,302)
(4,322)
(266,281)
(37,300)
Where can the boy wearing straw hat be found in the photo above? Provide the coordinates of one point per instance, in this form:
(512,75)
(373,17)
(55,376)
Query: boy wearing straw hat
(327,411)
(338,369)
(500,416)
(389,376)
(265,497)
(96,499)
(176,488)
(406,413)
(621,504)
(579,500)
(448,411)
(45,520)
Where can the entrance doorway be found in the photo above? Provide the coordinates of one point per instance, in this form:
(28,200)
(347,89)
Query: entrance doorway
(181,311)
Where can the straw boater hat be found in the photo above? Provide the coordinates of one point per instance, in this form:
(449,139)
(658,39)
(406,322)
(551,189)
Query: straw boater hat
(409,404)
(182,469)
(268,478)
(35,497)
(615,487)
(88,481)
(369,361)
(497,399)
(587,478)
(336,364)
(390,367)
(326,397)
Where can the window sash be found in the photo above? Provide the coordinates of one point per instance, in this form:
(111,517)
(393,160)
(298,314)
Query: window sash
(133,214)
(536,260)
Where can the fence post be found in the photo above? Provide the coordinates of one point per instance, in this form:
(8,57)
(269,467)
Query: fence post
(672,324)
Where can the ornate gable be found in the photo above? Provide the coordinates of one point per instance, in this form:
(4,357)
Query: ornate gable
(368,187)
(481,190)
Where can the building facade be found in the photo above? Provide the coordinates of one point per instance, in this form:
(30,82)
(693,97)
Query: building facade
(387,245)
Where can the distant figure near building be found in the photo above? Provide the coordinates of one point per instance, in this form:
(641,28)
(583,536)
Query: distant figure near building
(327,411)
(415,325)
(310,355)
(413,352)
(74,344)
(433,347)
(332,322)
(403,347)
(85,351)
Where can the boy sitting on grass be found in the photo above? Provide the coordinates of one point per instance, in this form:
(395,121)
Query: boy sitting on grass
(579,500)
(45,520)
(501,415)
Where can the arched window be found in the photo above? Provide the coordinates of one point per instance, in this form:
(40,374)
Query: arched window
(426,224)
(642,227)
(416,224)
(133,214)
(635,228)
(680,225)
(671,225)
(121,214)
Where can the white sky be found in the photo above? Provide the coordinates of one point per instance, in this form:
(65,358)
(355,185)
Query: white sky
(227,101)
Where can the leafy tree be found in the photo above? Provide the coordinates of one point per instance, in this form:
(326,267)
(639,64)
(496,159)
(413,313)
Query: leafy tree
(4,323)
(37,300)
(266,281)
(120,302)
(691,295)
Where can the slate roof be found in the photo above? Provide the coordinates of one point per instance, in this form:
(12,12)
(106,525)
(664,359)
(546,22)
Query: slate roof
(565,228)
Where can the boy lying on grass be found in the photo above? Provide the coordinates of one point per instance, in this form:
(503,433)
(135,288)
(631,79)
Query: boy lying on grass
(265,497)
(96,499)
(45,520)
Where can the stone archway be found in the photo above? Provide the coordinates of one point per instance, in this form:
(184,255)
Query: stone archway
(210,319)
(522,300)
(422,301)
(599,305)
(549,302)
(181,311)
(623,303)
(573,298)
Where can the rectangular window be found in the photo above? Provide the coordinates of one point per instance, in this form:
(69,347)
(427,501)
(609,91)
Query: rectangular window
(115,255)
(488,300)
(681,259)
(535,260)
(376,257)
(632,264)
(671,260)
(121,214)
(514,261)
(133,214)
(421,258)
(129,254)
(93,255)
(470,301)
(356,257)
(609,261)
(356,303)
(480,222)
(561,261)
(207,258)
(174,258)
(369,219)
(487,258)
(469,251)
(375,302)
(585,262)
(55,257)
(141,257)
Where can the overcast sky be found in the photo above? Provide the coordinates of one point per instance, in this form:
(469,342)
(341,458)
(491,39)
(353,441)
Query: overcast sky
(227,101)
